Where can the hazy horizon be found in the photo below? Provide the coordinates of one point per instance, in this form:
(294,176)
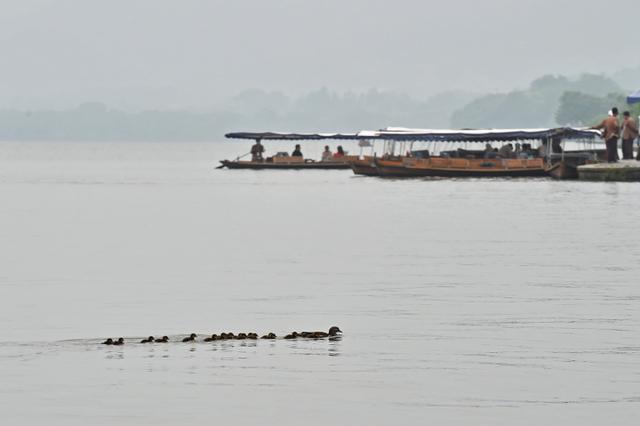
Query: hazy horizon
(197,54)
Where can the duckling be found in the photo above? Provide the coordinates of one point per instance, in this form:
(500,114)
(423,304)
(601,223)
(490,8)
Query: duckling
(230,336)
(293,335)
(252,336)
(212,338)
(164,339)
(119,342)
(109,341)
(241,336)
(191,338)
(149,339)
(269,336)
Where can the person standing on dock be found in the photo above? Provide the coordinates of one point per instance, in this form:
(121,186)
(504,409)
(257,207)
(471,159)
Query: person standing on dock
(256,151)
(629,134)
(611,134)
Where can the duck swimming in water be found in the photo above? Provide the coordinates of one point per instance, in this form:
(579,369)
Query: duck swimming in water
(212,338)
(241,336)
(149,339)
(252,336)
(109,341)
(119,342)
(269,336)
(191,338)
(333,331)
(293,335)
(164,339)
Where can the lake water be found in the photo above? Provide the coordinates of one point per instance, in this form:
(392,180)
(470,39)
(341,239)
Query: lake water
(501,302)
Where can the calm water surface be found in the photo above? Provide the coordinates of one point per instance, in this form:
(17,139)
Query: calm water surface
(502,302)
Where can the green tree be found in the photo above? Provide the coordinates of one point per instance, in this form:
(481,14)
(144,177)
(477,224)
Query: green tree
(580,109)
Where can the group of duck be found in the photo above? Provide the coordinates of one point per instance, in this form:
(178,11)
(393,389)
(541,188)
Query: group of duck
(333,332)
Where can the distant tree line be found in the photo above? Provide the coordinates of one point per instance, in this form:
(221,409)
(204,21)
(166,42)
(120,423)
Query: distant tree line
(548,101)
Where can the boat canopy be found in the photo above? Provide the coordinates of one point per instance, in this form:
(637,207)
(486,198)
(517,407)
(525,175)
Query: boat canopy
(432,135)
(290,136)
(634,98)
(479,135)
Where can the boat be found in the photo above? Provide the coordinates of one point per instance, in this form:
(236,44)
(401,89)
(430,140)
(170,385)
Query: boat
(548,158)
(365,166)
(288,163)
(565,165)
(463,167)
(284,161)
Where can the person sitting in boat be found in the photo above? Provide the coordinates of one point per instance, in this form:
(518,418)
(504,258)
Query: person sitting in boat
(256,151)
(489,152)
(339,153)
(506,151)
(327,155)
(297,152)
(520,152)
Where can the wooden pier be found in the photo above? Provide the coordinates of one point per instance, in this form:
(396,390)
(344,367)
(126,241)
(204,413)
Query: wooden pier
(622,171)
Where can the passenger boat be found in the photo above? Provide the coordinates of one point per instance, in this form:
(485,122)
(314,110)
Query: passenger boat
(291,163)
(463,167)
(565,165)
(525,162)
(283,161)
(365,166)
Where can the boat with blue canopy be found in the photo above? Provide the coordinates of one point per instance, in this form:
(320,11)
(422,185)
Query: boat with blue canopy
(461,153)
(283,160)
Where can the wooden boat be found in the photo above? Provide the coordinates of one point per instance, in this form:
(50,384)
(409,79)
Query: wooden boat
(462,167)
(364,166)
(565,165)
(527,162)
(283,161)
(290,163)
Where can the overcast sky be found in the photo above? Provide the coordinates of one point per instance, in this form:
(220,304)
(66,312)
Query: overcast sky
(193,53)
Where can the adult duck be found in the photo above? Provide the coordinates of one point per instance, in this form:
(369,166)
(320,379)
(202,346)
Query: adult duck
(191,338)
(333,331)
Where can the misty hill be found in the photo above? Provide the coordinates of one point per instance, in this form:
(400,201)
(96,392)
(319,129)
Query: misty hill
(548,101)
(252,110)
(535,107)
(580,109)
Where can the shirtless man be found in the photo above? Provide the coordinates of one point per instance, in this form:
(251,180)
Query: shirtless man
(629,134)
(611,134)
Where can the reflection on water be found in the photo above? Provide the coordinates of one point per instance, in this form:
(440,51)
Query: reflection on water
(463,301)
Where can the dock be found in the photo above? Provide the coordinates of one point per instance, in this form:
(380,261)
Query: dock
(622,171)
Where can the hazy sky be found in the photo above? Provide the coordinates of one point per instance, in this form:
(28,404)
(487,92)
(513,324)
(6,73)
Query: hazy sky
(194,53)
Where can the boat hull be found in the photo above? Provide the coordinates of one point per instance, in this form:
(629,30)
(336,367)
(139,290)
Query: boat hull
(563,171)
(364,167)
(285,166)
(444,167)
